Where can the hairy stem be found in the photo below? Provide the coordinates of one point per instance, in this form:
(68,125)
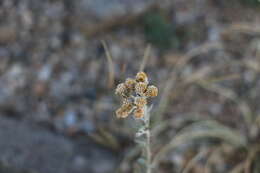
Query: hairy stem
(148,152)
(145,134)
(148,141)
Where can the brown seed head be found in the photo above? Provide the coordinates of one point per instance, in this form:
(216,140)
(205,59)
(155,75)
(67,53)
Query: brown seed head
(140,102)
(122,90)
(127,107)
(130,83)
(141,77)
(152,91)
(124,110)
(135,102)
(140,87)
(139,113)
(121,114)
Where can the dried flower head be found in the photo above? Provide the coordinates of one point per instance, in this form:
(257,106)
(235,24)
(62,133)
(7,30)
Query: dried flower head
(124,110)
(152,91)
(140,101)
(135,93)
(130,83)
(121,114)
(140,88)
(139,112)
(141,77)
(121,89)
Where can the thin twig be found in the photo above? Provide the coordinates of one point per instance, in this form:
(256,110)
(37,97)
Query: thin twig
(145,58)
(111,74)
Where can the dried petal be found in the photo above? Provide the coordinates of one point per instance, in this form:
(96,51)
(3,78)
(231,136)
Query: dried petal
(130,83)
(124,110)
(121,89)
(141,77)
(140,102)
(140,88)
(139,113)
(152,91)
(121,114)
(127,107)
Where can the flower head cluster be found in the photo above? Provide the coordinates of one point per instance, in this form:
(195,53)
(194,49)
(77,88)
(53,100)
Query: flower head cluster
(135,93)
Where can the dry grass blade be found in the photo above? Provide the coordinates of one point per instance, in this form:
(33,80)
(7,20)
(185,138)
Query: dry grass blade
(111,72)
(246,112)
(129,156)
(251,155)
(223,78)
(164,99)
(238,169)
(243,28)
(202,130)
(145,58)
(177,122)
(194,160)
(225,92)
(183,60)
(198,75)
(212,158)
(103,138)
(206,47)
(229,94)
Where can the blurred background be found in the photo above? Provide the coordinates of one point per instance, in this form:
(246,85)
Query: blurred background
(57,101)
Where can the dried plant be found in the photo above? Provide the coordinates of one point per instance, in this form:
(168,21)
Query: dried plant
(134,93)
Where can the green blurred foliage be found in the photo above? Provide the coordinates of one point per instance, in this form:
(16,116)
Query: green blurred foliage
(159,31)
(251,2)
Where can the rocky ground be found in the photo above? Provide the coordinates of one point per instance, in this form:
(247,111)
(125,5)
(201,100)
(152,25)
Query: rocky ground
(57,102)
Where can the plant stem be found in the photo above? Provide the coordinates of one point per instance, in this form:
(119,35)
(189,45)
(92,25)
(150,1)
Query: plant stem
(148,142)
(148,152)
(145,132)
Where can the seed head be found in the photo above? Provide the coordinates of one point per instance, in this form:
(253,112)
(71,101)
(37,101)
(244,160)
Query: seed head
(140,88)
(121,89)
(130,83)
(124,110)
(152,91)
(141,77)
(135,93)
(140,102)
(139,113)
(121,114)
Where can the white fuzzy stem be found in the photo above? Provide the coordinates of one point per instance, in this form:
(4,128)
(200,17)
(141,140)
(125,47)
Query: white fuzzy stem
(148,153)
(146,146)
